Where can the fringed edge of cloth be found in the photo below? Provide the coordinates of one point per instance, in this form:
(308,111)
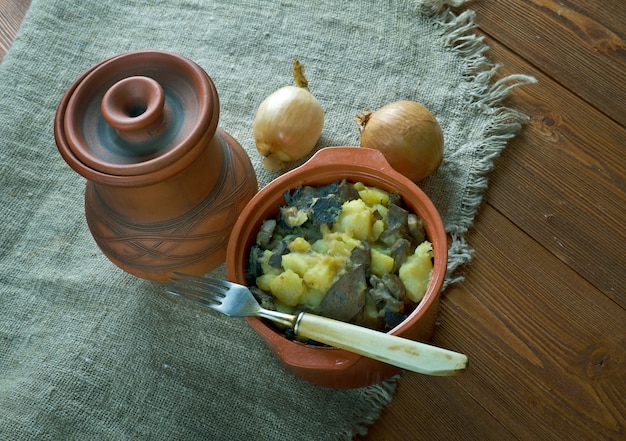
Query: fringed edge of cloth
(458,32)
(377,397)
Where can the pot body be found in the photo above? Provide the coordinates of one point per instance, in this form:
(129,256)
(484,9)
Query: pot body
(331,367)
(181,223)
(164,183)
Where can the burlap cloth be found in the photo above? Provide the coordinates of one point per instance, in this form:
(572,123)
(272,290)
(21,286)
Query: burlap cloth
(88,352)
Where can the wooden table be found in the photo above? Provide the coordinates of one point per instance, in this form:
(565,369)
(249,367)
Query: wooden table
(541,312)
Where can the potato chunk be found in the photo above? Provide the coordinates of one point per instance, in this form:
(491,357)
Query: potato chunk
(356,220)
(415,272)
(299,244)
(372,196)
(287,287)
(322,275)
(265,265)
(264,281)
(299,263)
(381,263)
(336,244)
(312,298)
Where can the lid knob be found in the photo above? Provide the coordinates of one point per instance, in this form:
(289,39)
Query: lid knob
(135,108)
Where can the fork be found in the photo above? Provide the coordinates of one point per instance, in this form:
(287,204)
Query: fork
(236,300)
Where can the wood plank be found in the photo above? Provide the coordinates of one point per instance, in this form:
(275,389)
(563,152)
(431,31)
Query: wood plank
(609,13)
(11,15)
(562,179)
(582,54)
(556,345)
(546,352)
(429,408)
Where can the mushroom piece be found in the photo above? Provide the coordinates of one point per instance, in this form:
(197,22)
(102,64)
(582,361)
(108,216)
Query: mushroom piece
(254,269)
(276,259)
(369,316)
(393,319)
(397,227)
(264,236)
(346,192)
(416,228)
(387,293)
(346,297)
(362,256)
(399,251)
(384,299)
(395,286)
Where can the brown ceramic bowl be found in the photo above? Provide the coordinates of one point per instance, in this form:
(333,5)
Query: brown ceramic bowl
(325,366)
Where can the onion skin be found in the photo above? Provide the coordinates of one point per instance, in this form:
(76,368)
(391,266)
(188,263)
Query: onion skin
(287,126)
(407,134)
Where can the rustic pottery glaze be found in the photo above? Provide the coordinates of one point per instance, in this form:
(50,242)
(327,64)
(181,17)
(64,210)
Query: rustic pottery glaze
(332,367)
(165,184)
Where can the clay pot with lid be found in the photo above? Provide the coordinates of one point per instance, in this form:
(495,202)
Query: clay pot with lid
(164,183)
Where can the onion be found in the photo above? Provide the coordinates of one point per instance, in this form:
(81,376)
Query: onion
(288,123)
(407,134)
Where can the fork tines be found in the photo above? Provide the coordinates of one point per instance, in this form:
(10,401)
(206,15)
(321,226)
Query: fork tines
(197,289)
(202,284)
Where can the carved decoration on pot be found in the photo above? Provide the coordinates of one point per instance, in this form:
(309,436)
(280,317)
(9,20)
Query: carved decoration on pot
(164,183)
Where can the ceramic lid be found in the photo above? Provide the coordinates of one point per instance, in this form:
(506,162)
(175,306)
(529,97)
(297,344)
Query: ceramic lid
(136,114)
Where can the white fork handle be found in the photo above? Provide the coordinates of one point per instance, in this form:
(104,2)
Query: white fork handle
(397,351)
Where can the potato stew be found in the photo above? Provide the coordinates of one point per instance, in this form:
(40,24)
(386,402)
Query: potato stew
(345,251)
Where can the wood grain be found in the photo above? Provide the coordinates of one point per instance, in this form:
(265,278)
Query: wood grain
(586,56)
(558,342)
(11,15)
(541,312)
(568,166)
